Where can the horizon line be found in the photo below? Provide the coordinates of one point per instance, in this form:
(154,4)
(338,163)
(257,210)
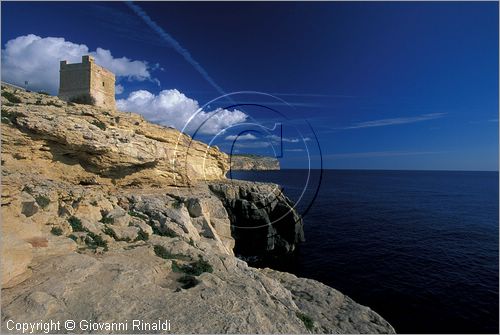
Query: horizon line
(367,169)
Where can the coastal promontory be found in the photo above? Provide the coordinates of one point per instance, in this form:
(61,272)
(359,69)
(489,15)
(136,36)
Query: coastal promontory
(107,217)
(253,162)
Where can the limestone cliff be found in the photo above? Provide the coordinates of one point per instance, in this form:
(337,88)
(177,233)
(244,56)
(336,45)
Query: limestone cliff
(107,217)
(84,144)
(254,162)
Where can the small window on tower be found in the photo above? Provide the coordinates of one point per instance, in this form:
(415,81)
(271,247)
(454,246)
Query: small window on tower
(103,84)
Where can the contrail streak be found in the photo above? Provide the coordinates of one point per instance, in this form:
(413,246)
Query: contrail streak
(174,44)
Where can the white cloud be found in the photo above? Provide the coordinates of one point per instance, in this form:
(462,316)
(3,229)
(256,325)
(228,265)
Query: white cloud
(173,108)
(122,67)
(36,59)
(253,145)
(398,120)
(276,138)
(244,137)
(119,89)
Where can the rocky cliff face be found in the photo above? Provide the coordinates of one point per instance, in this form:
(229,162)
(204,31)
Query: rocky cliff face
(88,145)
(99,223)
(262,217)
(254,162)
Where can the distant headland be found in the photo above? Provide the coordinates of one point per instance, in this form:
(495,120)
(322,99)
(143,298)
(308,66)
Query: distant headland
(254,162)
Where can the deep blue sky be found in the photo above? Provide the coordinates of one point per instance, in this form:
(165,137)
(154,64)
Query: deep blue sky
(384,85)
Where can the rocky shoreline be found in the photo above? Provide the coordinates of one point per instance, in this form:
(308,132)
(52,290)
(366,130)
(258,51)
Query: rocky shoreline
(106,217)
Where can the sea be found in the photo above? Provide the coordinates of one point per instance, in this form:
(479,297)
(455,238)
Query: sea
(418,247)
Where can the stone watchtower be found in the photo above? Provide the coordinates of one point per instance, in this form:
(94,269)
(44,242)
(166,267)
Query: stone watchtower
(87,78)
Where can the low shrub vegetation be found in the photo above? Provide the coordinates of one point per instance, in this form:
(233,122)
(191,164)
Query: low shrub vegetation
(110,232)
(166,232)
(194,268)
(56,231)
(177,204)
(99,124)
(42,201)
(307,320)
(9,117)
(162,252)
(5,119)
(11,97)
(142,236)
(76,224)
(27,189)
(93,241)
(107,220)
(138,215)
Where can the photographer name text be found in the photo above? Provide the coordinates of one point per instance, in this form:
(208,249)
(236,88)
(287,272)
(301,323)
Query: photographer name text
(86,326)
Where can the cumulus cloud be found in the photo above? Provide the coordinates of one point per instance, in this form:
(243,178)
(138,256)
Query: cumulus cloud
(244,137)
(173,108)
(36,59)
(122,67)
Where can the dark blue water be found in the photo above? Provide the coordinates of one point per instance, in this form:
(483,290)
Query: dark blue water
(418,247)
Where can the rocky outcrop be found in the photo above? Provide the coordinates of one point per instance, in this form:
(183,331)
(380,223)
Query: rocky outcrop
(263,219)
(254,162)
(105,256)
(93,229)
(233,298)
(89,145)
(339,313)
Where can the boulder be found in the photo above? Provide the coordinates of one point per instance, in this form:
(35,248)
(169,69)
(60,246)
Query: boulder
(125,233)
(29,205)
(118,216)
(16,256)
